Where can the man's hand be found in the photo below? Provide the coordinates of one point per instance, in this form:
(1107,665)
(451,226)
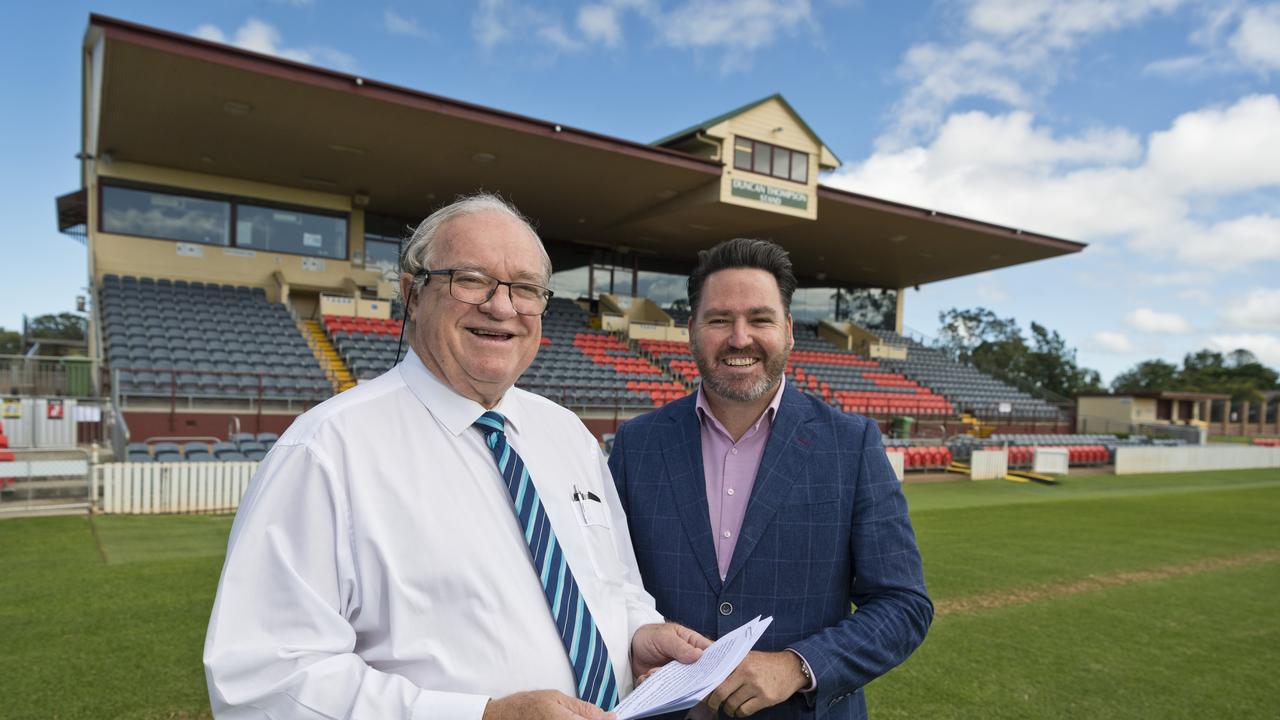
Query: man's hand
(543,705)
(763,680)
(658,644)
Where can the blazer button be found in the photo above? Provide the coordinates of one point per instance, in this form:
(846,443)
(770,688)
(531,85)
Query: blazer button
(726,608)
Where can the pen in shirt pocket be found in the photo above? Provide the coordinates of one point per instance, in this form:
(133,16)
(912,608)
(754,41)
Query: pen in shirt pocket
(579,496)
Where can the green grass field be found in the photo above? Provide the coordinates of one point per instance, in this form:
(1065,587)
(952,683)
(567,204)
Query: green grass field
(1142,596)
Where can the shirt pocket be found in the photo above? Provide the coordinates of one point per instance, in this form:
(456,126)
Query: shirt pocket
(597,536)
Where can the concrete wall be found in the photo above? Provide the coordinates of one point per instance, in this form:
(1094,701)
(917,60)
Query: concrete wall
(1134,460)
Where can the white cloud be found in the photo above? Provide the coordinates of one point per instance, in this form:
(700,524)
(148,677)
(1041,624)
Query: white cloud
(1199,296)
(397,24)
(738,28)
(1233,37)
(497,22)
(1256,42)
(600,24)
(1220,150)
(1229,245)
(262,37)
(1260,310)
(735,29)
(488,24)
(1099,185)
(1060,23)
(1265,347)
(1107,341)
(1009,51)
(1013,141)
(992,292)
(1153,321)
(1174,279)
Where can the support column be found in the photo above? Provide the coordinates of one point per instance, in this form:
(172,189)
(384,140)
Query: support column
(899,309)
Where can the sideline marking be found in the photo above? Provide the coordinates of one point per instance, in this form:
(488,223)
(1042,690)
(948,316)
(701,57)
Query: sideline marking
(1095,583)
(97,540)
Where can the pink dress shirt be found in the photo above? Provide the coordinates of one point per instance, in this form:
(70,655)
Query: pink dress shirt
(729,469)
(730,472)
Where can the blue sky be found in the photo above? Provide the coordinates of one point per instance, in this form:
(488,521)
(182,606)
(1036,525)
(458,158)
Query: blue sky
(1149,129)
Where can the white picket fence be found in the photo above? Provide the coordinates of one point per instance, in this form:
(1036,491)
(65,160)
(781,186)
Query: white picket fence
(182,487)
(988,464)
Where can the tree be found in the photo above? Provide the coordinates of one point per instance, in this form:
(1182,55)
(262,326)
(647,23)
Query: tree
(1147,376)
(1238,374)
(872,307)
(1051,365)
(63,326)
(997,346)
(10,342)
(965,333)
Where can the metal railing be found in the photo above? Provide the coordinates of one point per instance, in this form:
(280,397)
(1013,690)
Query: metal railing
(45,375)
(39,481)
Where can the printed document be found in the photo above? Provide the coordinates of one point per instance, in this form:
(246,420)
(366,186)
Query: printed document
(676,686)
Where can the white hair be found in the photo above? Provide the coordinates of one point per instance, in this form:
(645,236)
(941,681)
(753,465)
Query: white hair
(419,252)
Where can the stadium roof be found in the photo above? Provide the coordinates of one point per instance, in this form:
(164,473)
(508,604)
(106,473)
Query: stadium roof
(175,101)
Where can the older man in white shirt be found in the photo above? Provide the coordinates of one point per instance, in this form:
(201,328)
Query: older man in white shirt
(436,543)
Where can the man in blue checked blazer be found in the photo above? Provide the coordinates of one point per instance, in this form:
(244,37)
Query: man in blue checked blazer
(751,498)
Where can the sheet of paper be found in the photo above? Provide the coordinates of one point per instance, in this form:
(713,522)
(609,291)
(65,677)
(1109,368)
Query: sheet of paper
(676,686)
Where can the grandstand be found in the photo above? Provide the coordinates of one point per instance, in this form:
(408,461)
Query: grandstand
(197,342)
(243,263)
(966,388)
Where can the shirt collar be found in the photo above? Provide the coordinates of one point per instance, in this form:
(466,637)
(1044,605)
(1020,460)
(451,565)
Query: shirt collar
(705,414)
(455,412)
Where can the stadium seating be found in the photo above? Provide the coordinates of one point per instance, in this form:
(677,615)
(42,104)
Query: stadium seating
(187,339)
(578,366)
(922,457)
(239,447)
(1081,449)
(855,383)
(366,345)
(674,356)
(968,389)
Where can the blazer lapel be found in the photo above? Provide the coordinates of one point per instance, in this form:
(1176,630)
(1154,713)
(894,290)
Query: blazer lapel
(682,448)
(785,454)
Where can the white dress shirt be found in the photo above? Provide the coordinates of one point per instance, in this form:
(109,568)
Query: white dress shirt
(376,568)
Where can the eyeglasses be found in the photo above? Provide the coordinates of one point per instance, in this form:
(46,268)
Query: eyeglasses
(476,288)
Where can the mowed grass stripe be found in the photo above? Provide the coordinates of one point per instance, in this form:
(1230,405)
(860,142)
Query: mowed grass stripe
(1194,646)
(999,549)
(1096,583)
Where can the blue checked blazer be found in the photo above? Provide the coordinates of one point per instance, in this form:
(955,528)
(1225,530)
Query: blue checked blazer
(826,526)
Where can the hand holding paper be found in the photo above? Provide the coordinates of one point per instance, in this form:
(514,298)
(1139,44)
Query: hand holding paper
(761,680)
(655,645)
(677,686)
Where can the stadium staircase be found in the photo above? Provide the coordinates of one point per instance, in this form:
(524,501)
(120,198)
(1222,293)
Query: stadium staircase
(334,367)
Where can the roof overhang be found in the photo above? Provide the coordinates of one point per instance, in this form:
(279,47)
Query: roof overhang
(178,102)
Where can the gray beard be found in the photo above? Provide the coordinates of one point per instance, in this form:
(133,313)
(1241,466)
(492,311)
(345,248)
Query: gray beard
(773,369)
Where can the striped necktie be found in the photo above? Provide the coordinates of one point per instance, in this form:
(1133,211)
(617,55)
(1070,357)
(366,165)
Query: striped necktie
(578,632)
